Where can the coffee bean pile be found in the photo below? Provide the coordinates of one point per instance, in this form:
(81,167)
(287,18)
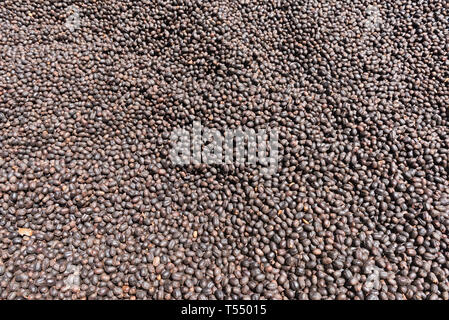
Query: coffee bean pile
(91,207)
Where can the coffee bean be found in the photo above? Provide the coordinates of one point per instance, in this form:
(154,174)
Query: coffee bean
(93,207)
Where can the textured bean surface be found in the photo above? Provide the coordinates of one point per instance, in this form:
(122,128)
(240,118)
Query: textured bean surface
(91,207)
